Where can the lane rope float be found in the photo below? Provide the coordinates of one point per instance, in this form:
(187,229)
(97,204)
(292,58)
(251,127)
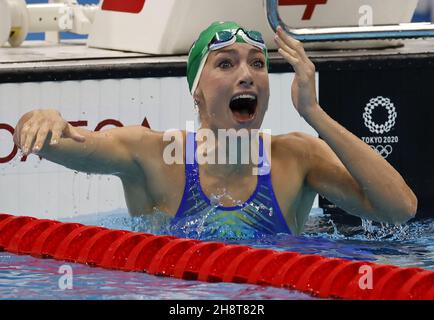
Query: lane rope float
(189,259)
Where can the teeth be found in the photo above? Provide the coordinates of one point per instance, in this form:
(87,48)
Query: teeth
(244,96)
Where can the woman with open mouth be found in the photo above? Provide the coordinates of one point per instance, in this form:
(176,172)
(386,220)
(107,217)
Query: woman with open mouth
(227,73)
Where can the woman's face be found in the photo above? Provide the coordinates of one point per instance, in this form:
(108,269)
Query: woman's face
(233,89)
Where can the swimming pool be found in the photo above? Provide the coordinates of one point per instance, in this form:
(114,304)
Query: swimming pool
(25,277)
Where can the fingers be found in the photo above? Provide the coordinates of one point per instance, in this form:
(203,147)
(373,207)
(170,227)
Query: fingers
(285,47)
(36,131)
(23,133)
(72,133)
(290,42)
(62,129)
(41,137)
(288,53)
(56,133)
(16,138)
(292,50)
(33,135)
(290,58)
(291,46)
(28,136)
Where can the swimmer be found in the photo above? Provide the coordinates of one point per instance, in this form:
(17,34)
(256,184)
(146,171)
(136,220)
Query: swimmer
(227,73)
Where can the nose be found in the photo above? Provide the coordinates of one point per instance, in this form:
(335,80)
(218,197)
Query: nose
(246,78)
(246,83)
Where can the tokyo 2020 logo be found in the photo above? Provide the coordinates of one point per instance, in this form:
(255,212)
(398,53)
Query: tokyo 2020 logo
(391,117)
(381,143)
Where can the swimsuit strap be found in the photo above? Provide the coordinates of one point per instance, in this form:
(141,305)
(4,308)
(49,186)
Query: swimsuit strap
(191,174)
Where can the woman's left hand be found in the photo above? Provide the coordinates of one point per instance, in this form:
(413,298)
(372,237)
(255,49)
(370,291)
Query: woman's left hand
(303,87)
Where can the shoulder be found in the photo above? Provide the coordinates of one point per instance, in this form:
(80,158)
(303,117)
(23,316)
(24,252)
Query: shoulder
(295,144)
(307,150)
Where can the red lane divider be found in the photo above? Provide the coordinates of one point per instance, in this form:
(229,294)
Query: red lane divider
(211,261)
(335,282)
(22,241)
(9,227)
(93,251)
(144,252)
(354,289)
(314,274)
(116,255)
(417,286)
(428,296)
(266,268)
(4,216)
(70,247)
(213,269)
(238,271)
(46,244)
(166,258)
(289,273)
(389,284)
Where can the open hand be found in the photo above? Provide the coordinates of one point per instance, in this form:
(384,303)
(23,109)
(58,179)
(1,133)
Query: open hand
(303,87)
(34,129)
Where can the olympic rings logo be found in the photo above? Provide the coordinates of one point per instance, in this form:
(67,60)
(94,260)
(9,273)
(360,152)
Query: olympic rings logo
(392,115)
(383,151)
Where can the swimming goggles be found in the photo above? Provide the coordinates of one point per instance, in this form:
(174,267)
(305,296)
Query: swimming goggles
(226,38)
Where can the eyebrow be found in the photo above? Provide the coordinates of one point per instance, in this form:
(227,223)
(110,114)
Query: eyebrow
(234,51)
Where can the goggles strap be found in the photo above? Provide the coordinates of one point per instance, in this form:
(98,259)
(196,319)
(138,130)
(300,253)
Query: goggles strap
(199,72)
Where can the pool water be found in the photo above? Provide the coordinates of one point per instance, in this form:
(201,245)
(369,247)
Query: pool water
(25,277)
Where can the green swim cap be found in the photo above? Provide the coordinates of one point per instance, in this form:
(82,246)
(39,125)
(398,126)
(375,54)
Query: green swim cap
(199,51)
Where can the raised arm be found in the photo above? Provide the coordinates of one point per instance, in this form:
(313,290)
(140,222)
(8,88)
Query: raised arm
(343,168)
(46,133)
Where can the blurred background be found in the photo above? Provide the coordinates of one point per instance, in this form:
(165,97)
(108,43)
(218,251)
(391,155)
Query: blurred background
(64,35)
(424,13)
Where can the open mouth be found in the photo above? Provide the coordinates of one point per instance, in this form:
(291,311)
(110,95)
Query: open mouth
(243,107)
